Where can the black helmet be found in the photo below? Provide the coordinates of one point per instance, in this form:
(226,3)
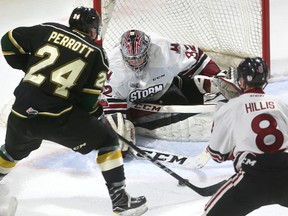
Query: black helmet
(254,71)
(84,19)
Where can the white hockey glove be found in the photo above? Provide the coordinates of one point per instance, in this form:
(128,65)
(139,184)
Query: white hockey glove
(123,127)
(225,83)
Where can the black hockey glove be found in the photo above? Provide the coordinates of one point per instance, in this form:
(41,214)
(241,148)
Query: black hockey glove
(99,113)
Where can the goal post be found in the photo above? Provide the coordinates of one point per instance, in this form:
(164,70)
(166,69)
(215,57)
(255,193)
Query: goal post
(266,32)
(228,30)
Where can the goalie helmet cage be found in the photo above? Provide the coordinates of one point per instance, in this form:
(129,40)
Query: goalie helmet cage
(228,30)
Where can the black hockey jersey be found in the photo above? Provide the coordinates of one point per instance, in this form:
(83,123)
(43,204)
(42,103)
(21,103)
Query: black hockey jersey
(60,64)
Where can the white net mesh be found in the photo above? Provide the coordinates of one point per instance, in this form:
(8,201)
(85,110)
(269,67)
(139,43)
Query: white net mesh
(232,28)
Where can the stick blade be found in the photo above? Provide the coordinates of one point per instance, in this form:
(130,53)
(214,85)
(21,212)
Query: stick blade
(211,190)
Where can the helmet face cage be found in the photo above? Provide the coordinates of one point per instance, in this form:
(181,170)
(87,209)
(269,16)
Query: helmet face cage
(254,71)
(85,19)
(134,45)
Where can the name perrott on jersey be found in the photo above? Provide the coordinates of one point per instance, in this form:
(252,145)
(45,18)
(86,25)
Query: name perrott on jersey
(51,85)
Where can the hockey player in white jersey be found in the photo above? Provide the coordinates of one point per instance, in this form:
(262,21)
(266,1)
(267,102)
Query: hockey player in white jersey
(147,68)
(151,69)
(252,131)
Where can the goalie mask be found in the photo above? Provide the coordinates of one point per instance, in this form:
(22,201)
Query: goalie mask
(85,20)
(134,45)
(254,71)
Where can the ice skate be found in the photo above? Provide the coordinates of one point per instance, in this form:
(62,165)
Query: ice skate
(124,204)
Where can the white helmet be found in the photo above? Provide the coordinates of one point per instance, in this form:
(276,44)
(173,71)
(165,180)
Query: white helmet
(134,47)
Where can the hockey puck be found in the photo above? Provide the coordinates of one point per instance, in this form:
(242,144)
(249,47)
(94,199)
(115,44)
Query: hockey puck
(182,183)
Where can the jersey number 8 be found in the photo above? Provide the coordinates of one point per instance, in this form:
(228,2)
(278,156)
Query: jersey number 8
(269,138)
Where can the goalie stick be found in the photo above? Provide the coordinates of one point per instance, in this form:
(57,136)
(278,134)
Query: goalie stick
(206,108)
(193,162)
(205,191)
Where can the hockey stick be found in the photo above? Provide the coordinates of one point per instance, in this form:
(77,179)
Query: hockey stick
(193,162)
(207,108)
(206,191)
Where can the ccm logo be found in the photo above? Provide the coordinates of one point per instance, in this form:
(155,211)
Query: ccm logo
(164,157)
(249,162)
(147,107)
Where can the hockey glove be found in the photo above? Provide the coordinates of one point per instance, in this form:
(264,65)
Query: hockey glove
(225,83)
(99,113)
(123,127)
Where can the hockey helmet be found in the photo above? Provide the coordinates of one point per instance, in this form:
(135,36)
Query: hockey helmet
(254,71)
(134,45)
(86,20)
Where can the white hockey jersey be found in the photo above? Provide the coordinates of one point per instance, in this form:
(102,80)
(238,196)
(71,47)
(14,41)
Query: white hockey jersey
(166,60)
(251,123)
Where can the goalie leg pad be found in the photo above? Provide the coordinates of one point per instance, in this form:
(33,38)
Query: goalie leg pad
(123,127)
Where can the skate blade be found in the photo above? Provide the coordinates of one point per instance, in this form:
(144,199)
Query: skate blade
(134,212)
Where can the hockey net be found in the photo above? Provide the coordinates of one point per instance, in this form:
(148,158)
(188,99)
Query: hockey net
(227,30)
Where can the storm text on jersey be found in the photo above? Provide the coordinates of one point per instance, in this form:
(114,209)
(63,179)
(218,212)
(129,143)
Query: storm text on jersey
(70,43)
(138,94)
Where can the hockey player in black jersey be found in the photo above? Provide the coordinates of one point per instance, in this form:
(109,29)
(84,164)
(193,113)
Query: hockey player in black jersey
(64,74)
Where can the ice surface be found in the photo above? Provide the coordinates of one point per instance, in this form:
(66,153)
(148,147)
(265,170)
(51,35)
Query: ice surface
(54,181)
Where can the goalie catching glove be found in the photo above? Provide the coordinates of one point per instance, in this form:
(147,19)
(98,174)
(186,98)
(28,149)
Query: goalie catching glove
(123,127)
(224,82)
